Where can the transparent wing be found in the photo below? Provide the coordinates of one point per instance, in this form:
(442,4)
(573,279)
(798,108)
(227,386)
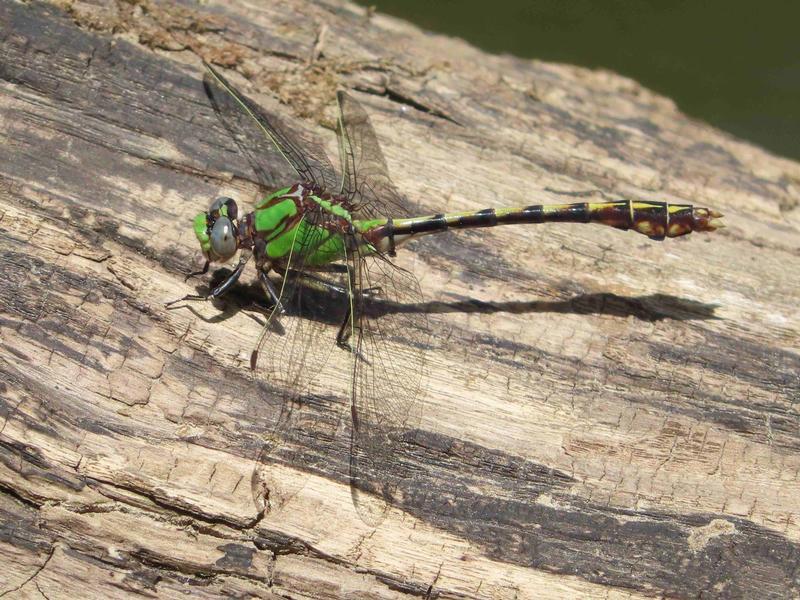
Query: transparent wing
(293,350)
(392,336)
(294,345)
(391,331)
(278,153)
(365,178)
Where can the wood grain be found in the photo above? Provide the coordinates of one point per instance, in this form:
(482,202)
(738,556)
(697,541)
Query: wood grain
(603,415)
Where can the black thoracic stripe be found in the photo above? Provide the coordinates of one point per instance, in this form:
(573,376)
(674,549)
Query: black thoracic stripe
(435,223)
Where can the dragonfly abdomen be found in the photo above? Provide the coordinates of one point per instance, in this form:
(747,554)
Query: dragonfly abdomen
(656,220)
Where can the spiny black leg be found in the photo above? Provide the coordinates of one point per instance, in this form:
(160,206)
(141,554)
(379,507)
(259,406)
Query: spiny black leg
(272,294)
(202,271)
(231,279)
(326,286)
(269,289)
(318,283)
(221,288)
(312,280)
(372,292)
(343,337)
(335,268)
(344,331)
(186,297)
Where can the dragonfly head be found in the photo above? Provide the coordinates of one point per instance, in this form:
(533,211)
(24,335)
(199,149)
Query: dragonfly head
(217,230)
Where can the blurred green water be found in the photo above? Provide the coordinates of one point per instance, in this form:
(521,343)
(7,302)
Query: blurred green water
(734,64)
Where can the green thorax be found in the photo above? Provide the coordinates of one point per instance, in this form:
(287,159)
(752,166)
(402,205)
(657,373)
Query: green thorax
(299,221)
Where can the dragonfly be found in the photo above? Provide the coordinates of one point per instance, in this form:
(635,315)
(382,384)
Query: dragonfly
(338,233)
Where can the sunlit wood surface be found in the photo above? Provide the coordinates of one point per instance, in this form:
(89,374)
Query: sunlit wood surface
(603,416)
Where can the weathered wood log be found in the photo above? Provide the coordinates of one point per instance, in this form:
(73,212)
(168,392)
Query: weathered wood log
(602,415)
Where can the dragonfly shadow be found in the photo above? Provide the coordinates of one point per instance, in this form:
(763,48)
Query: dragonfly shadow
(249,298)
(330,306)
(651,307)
(320,305)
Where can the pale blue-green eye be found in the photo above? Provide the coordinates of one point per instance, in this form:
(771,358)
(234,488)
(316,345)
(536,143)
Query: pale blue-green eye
(225,207)
(217,204)
(223,238)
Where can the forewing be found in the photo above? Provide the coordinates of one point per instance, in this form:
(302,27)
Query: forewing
(293,350)
(278,153)
(392,336)
(365,178)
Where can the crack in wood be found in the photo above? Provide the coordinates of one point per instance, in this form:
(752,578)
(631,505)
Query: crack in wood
(603,413)
(33,576)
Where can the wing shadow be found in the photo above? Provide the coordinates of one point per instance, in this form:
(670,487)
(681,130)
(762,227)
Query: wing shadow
(330,306)
(651,307)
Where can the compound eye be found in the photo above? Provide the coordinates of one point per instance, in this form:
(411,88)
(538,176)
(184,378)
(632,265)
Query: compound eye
(217,204)
(225,207)
(223,240)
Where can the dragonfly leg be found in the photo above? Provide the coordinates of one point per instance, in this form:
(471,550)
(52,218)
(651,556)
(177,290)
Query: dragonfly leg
(343,337)
(202,271)
(346,330)
(312,281)
(221,288)
(326,286)
(270,291)
(334,268)
(373,292)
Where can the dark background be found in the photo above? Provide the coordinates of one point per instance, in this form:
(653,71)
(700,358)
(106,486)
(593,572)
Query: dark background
(732,63)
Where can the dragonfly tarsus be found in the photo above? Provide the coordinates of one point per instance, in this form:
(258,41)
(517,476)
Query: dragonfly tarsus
(202,271)
(221,288)
(184,298)
(343,338)
(344,345)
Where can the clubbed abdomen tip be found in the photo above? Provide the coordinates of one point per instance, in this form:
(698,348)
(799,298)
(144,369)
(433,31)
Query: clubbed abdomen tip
(705,219)
(685,218)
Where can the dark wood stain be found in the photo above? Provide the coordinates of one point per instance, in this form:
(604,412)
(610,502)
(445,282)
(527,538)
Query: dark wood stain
(515,510)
